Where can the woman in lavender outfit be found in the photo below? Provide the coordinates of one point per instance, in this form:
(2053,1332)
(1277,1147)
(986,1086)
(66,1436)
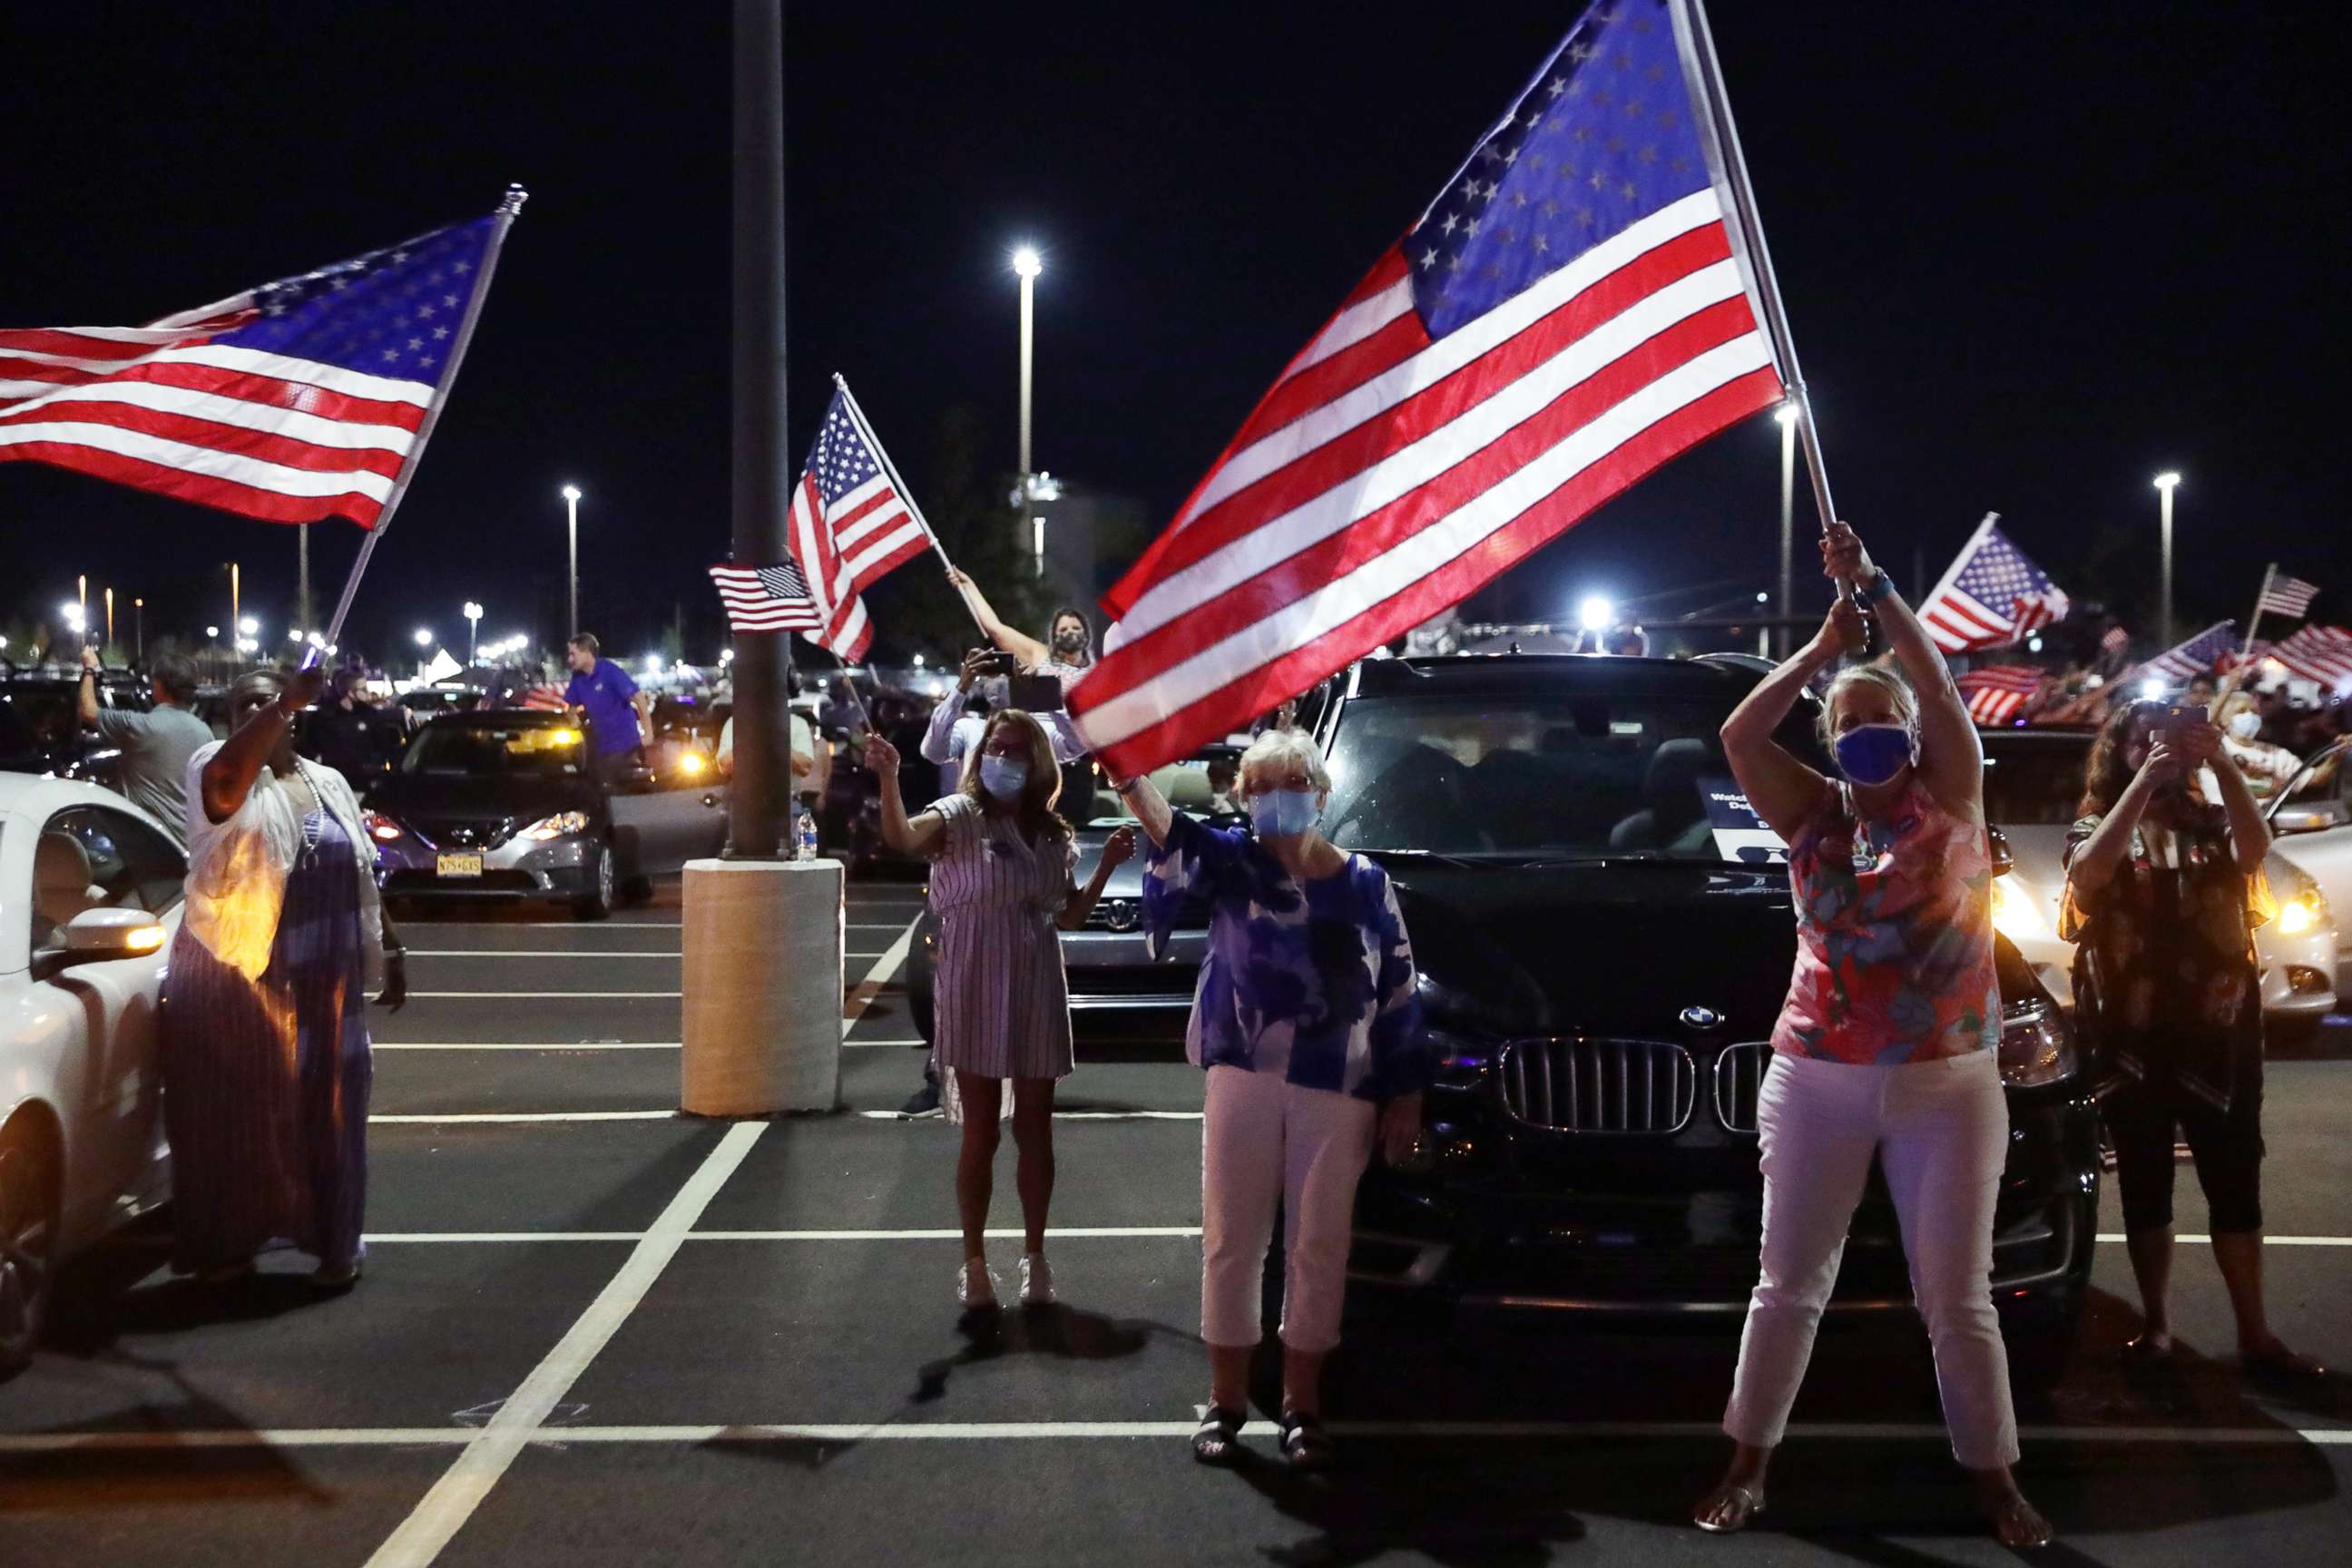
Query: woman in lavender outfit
(1306,1023)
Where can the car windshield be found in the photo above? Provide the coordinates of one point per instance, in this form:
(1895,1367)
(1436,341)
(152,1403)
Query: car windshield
(1186,786)
(477,751)
(2038,785)
(1566,773)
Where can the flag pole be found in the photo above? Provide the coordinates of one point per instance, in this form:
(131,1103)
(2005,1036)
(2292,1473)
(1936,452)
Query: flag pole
(857,417)
(2230,682)
(509,205)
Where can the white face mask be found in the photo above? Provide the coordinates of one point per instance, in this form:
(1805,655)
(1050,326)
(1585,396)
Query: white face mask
(2245,726)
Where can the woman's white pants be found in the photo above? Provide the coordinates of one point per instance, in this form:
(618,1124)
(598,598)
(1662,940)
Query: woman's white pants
(1940,1129)
(1265,1141)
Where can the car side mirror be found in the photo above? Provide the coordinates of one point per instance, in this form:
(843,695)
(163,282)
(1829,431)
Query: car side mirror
(2003,861)
(2316,817)
(103,935)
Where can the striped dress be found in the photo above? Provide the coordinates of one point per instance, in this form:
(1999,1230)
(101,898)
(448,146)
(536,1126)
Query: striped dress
(1001,1004)
(266,1081)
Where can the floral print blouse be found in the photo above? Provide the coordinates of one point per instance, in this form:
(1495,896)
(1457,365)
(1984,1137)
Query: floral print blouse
(1313,981)
(1893,936)
(2164,964)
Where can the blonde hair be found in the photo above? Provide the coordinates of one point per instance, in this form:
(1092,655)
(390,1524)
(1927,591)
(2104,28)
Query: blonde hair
(1034,810)
(1278,748)
(1900,696)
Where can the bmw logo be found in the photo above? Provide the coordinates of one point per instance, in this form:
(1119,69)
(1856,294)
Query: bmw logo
(1701,1017)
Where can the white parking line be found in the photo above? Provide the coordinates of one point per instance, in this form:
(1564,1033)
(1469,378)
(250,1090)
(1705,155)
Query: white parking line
(886,966)
(443,1510)
(1015,1431)
(503,1237)
(418,1119)
(2117,1238)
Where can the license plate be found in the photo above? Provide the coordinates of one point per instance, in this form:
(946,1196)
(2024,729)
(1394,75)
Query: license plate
(458,866)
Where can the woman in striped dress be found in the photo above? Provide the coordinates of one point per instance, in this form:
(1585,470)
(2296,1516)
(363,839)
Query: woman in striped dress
(266,1062)
(1001,886)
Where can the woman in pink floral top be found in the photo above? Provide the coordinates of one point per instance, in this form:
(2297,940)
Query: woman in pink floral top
(1884,1048)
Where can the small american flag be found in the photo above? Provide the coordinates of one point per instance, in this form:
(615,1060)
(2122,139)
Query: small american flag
(2201,655)
(1566,316)
(302,399)
(2117,640)
(1992,596)
(2286,595)
(1996,692)
(767,598)
(851,523)
(2322,653)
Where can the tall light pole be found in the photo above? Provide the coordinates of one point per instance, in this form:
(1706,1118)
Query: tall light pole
(302,576)
(139,629)
(110,619)
(2166,483)
(1788,417)
(572,555)
(235,612)
(472,626)
(1027,263)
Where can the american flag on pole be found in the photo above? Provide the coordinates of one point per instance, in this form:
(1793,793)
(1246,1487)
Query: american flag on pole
(2116,640)
(767,598)
(2201,655)
(2284,596)
(852,522)
(1566,316)
(302,399)
(1992,596)
(1996,692)
(2322,653)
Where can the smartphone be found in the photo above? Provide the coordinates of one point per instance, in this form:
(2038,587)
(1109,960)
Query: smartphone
(997,663)
(1036,693)
(2180,715)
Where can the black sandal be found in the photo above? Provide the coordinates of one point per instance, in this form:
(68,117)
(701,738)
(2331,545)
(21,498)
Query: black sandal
(1217,1440)
(1304,1442)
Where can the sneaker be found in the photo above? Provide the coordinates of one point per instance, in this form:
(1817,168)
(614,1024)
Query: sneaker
(976,1284)
(923,1102)
(1036,1280)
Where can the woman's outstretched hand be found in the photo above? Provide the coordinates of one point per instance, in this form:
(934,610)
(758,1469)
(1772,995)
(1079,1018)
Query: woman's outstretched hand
(1119,849)
(882,757)
(1843,557)
(1841,628)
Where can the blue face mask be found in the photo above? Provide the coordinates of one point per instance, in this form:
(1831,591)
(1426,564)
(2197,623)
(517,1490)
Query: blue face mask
(1004,778)
(1283,813)
(1873,754)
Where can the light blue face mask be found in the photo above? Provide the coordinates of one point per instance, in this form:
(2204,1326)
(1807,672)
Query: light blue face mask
(1283,813)
(1004,778)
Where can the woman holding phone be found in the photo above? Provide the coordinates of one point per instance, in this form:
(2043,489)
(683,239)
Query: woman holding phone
(1884,1048)
(2164,890)
(1001,886)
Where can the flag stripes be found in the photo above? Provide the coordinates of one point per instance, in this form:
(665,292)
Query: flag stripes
(1996,692)
(2288,596)
(766,599)
(2322,653)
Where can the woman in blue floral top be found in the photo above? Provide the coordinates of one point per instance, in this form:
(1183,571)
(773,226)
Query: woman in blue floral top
(1306,1024)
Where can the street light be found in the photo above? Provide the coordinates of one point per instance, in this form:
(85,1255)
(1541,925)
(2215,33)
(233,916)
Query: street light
(2166,483)
(1596,614)
(422,636)
(1026,265)
(1787,417)
(571,553)
(473,626)
(248,625)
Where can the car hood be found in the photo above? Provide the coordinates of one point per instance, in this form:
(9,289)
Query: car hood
(1617,948)
(428,796)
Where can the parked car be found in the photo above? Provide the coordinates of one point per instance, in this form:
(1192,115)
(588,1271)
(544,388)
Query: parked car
(2033,783)
(1604,937)
(1112,980)
(40,726)
(89,899)
(501,804)
(2311,823)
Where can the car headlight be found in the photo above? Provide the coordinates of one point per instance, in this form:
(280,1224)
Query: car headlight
(1462,1059)
(382,829)
(2304,911)
(2037,1047)
(691,763)
(2014,912)
(562,824)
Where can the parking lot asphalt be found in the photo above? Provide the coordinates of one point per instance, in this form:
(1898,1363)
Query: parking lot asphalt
(595,1332)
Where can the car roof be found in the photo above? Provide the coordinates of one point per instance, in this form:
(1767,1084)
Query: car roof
(1546,672)
(42,794)
(2040,739)
(504,718)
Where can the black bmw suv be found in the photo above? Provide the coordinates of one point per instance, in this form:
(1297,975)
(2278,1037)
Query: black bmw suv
(1604,934)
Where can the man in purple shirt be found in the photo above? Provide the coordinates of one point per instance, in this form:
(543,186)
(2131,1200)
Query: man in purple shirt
(602,693)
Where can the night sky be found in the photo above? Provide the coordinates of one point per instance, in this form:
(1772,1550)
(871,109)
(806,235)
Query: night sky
(2033,255)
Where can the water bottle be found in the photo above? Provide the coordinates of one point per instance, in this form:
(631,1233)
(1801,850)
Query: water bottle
(807,836)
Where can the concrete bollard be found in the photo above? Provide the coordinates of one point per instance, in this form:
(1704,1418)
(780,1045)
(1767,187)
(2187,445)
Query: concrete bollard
(762,1013)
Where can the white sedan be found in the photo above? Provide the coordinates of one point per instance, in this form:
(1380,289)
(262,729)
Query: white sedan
(89,899)
(2312,828)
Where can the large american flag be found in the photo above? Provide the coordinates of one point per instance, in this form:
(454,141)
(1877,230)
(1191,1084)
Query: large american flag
(2201,655)
(851,523)
(767,598)
(1992,596)
(2322,653)
(1568,315)
(1996,692)
(299,400)
(2284,596)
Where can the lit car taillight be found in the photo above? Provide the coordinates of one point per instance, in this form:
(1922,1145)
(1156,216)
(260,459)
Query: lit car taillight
(382,829)
(2037,1046)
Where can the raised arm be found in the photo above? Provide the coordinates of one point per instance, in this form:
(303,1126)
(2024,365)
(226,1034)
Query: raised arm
(228,776)
(1951,756)
(901,836)
(87,704)
(1784,791)
(1150,808)
(1028,650)
(1117,850)
(2094,865)
(2250,835)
